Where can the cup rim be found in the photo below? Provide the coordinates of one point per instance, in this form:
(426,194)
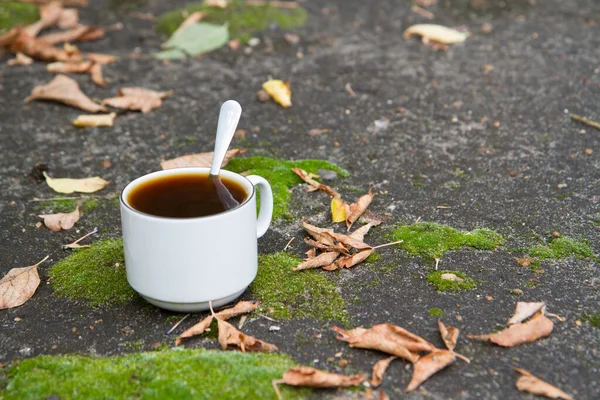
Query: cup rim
(176,171)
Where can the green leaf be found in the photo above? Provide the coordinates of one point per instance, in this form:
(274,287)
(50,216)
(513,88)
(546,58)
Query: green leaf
(171,54)
(198,38)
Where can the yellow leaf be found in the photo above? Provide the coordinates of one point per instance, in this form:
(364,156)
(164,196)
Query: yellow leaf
(279,91)
(437,33)
(338,210)
(67,185)
(90,121)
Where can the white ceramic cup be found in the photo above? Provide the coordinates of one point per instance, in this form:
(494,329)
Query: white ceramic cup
(181,264)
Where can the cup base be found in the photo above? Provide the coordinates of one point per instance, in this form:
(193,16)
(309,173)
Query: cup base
(193,307)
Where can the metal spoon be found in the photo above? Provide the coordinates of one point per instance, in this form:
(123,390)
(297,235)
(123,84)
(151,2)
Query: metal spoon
(229,117)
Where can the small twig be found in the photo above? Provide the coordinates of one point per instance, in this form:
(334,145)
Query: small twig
(349,90)
(60,198)
(268,318)
(586,121)
(442,207)
(418,220)
(386,244)
(288,244)
(273,3)
(422,12)
(72,245)
(243,319)
(558,317)
(276,382)
(465,359)
(437,262)
(177,324)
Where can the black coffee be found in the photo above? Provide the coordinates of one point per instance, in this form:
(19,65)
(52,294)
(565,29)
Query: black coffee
(182,196)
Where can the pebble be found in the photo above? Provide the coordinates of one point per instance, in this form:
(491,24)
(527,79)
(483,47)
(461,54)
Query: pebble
(26,351)
(274,328)
(517,292)
(327,174)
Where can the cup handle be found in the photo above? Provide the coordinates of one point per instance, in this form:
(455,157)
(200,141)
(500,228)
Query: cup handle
(266,204)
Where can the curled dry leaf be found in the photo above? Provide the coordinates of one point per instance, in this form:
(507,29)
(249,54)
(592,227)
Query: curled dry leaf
(92,121)
(429,365)
(357,209)
(321,260)
(436,33)
(360,233)
(449,335)
(100,58)
(38,49)
(64,90)
(321,235)
(49,16)
(96,74)
(527,382)
(243,307)
(379,369)
(537,327)
(230,336)
(312,377)
(134,98)
(58,221)
(70,35)
(279,91)
(338,210)
(198,160)
(68,18)
(386,338)
(351,260)
(314,185)
(18,285)
(350,241)
(67,185)
(20,59)
(78,67)
(524,262)
(525,310)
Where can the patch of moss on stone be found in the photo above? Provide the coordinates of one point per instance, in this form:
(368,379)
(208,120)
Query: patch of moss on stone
(94,274)
(280,176)
(432,240)
(298,294)
(90,205)
(373,258)
(446,285)
(243,20)
(436,312)
(57,205)
(13,13)
(562,247)
(593,319)
(174,374)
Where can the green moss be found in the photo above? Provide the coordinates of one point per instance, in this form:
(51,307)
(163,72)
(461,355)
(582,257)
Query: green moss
(298,294)
(593,319)
(280,176)
(57,204)
(244,21)
(13,14)
(432,240)
(90,205)
(445,285)
(175,374)
(373,258)
(95,274)
(562,247)
(452,185)
(436,312)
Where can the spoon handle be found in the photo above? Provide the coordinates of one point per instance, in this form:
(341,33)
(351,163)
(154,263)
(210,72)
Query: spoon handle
(228,119)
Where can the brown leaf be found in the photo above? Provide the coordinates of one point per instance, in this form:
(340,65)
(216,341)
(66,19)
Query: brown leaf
(135,98)
(38,49)
(70,35)
(230,336)
(357,209)
(68,18)
(92,121)
(64,90)
(449,335)
(537,327)
(20,59)
(351,260)
(429,365)
(49,16)
(96,74)
(100,58)
(379,369)
(77,67)
(308,178)
(387,338)
(525,310)
(312,377)
(529,383)
(58,221)
(143,92)
(360,233)
(524,262)
(243,307)
(321,235)
(18,285)
(321,260)
(350,241)
(94,33)
(9,37)
(198,160)
(321,246)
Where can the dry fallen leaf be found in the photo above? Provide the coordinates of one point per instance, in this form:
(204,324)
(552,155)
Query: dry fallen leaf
(58,221)
(525,310)
(321,260)
(78,67)
(96,74)
(527,382)
(39,49)
(198,160)
(279,91)
(312,377)
(524,262)
(49,16)
(314,185)
(18,285)
(429,365)
(230,336)
(70,35)
(243,307)
(20,59)
(357,209)
(92,121)
(67,185)
(379,369)
(216,3)
(100,58)
(537,327)
(321,235)
(387,338)
(338,210)
(360,233)
(350,241)
(449,335)
(351,260)
(65,90)
(436,33)
(68,18)
(134,98)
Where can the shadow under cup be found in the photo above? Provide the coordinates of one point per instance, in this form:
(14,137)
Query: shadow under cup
(179,260)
